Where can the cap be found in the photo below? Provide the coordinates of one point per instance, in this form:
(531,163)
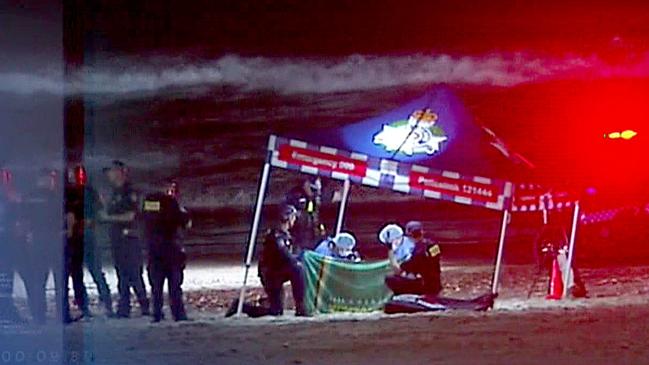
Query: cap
(287,211)
(414,226)
(345,241)
(389,233)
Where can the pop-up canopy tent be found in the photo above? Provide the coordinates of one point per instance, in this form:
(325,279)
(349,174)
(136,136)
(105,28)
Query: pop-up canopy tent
(429,147)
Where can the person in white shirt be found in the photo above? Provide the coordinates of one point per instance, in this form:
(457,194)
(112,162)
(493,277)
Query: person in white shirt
(339,247)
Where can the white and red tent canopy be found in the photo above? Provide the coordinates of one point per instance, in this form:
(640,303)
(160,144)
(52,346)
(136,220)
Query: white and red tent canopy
(389,174)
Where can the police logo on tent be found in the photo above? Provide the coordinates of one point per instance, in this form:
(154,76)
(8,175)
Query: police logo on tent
(416,135)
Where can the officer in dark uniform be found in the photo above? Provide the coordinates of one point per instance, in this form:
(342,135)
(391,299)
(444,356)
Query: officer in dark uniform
(83,204)
(277,265)
(120,212)
(163,216)
(306,198)
(420,273)
(8,311)
(73,251)
(40,231)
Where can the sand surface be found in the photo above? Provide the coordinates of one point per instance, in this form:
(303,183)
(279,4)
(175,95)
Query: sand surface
(610,327)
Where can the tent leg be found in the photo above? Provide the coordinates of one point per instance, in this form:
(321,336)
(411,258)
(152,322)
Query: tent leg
(571,249)
(499,256)
(343,207)
(545,217)
(253,233)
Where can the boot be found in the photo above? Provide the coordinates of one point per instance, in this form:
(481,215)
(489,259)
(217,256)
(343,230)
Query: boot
(300,311)
(108,306)
(181,317)
(85,313)
(144,307)
(109,311)
(157,318)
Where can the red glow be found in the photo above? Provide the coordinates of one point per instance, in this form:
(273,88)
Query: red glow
(81,176)
(5,177)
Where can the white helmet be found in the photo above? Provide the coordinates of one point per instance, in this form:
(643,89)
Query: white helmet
(345,241)
(389,233)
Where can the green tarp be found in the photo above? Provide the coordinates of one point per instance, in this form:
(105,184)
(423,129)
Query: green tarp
(337,286)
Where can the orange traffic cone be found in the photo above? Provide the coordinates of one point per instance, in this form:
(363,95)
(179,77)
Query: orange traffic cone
(556,282)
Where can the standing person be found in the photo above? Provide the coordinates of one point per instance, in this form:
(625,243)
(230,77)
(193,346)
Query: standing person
(8,310)
(163,217)
(73,250)
(83,204)
(40,230)
(277,265)
(120,213)
(415,263)
(306,198)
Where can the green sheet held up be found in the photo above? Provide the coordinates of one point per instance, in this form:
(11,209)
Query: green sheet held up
(338,286)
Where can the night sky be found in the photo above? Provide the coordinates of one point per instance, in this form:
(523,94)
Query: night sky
(555,113)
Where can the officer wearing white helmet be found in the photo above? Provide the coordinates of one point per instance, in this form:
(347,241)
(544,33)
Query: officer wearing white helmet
(400,246)
(340,247)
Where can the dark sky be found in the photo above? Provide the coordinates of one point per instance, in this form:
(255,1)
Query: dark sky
(31,35)
(31,41)
(35,36)
(344,27)
(292,27)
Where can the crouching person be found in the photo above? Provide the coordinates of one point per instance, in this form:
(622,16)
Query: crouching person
(340,247)
(414,259)
(277,265)
(163,218)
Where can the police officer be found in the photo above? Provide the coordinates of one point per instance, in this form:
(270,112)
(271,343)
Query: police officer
(415,260)
(8,310)
(277,265)
(73,251)
(120,213)
(40,231)
(163,216)
(340,247)
(306,198)
(426,259)
(83,204)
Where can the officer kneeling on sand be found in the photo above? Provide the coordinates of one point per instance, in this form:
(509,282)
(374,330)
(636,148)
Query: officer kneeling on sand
(415,260)
(340,247)
(163,217)
(277,265)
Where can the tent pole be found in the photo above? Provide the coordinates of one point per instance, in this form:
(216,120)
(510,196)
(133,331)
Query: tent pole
(253,233)
(571,249)
(499,256)
(545,217)
(343,207)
